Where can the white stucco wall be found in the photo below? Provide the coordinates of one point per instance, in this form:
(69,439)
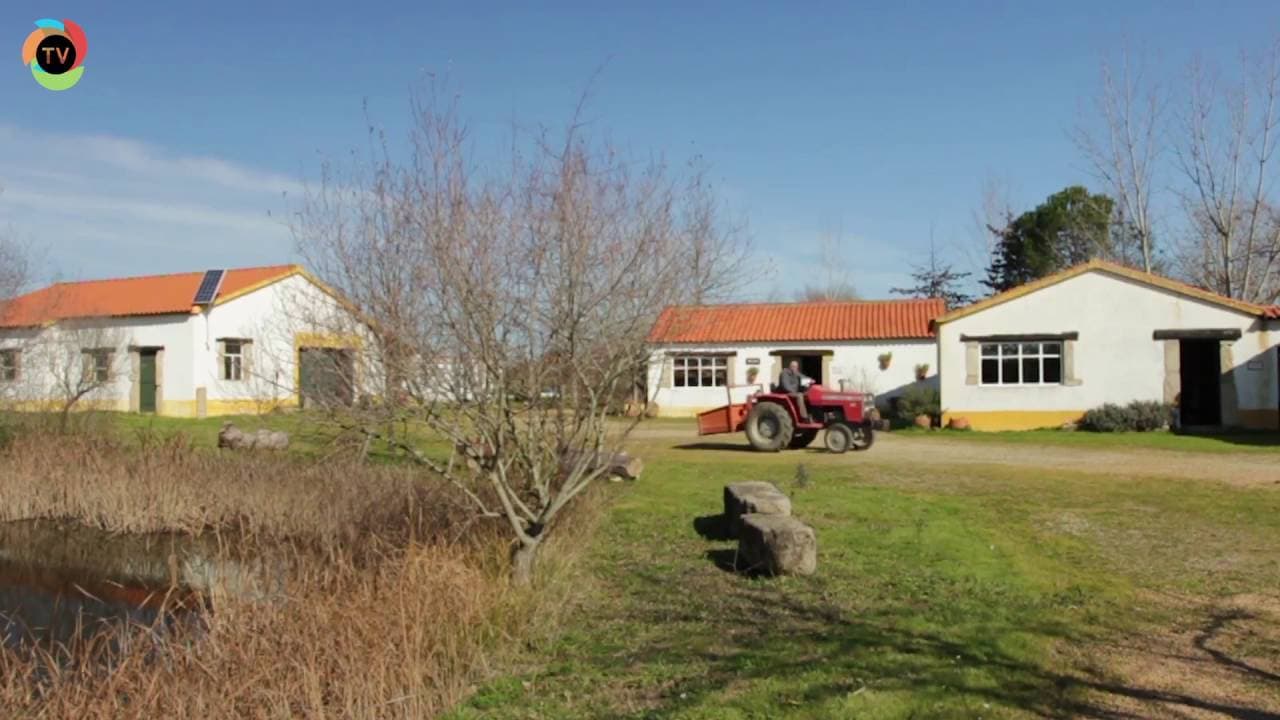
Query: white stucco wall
(855,362)
(275,318)
(1116,357)
(52,357)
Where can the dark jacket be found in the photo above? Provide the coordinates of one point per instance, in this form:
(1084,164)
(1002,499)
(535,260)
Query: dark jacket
(789,381)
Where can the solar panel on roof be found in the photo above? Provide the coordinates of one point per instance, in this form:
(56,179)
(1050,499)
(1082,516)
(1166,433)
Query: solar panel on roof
(209,286)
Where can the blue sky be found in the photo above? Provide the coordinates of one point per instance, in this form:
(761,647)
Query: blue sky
(195,123)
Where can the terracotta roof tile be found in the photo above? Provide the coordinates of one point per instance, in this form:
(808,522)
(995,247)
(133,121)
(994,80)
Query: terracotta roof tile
(121,297)
(804,322)
(1272,313)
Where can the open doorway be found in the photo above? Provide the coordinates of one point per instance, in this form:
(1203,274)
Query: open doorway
(1201,395)
(810,365)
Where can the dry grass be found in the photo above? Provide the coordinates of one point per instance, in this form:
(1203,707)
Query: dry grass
(396,606)
(167,486)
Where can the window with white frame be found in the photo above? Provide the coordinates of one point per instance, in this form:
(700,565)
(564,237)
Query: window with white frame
(700,371)
(1022,363)
(8,365)
(233,351)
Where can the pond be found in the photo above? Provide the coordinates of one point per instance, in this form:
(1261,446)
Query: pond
(62,581)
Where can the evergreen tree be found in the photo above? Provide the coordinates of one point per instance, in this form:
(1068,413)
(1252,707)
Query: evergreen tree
(937,279)
(1069,227)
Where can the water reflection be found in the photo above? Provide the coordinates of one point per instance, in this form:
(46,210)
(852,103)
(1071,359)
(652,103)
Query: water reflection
(60,581)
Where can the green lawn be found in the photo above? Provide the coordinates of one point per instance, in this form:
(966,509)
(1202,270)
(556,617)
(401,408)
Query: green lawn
(982,592)
(1240,441)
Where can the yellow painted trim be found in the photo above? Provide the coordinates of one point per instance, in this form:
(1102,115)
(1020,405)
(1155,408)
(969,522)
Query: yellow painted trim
(240,406)
(991,420)
(54,405)
(1111,268)
(293,270)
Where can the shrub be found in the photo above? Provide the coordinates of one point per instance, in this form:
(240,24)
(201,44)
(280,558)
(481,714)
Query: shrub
(919,401)
(1137,416)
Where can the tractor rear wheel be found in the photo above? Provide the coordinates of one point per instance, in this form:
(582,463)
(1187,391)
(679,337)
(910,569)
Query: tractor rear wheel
(802,439)
(839,438)
(769,427)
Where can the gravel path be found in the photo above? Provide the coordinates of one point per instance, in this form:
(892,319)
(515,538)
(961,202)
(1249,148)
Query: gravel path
(1242,469)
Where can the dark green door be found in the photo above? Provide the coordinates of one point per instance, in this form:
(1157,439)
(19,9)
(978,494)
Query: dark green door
(147,382)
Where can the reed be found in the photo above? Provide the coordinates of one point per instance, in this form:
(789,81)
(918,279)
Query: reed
(398,602)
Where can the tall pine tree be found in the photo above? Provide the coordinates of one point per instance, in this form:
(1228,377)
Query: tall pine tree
(1069,227)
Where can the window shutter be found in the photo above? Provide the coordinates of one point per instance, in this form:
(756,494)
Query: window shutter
(246,352)
(731,371)
(1069,364)
(668,370)
(222,360)
(972,363)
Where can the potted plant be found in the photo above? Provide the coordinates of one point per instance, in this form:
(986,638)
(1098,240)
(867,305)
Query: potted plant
(922,371)
(885,359)
(752,374)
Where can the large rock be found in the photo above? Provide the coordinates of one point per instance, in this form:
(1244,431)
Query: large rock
(233,438)
(753,496)
(616,466)
(777,545)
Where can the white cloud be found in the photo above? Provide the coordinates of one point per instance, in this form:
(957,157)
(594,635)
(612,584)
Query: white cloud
(104,206)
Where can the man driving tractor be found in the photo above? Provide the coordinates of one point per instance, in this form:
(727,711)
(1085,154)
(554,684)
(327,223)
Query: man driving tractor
(792,383)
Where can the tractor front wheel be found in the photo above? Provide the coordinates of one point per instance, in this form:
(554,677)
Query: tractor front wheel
(769,427)
(839,437)
(863,436)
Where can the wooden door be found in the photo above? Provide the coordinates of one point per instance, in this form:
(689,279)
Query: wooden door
(147,381)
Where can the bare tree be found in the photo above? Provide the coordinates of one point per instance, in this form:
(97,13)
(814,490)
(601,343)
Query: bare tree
(1123,153)
(14,276)
(507,306)
(834,282)
(82,359)
(1227,145)
(15,271)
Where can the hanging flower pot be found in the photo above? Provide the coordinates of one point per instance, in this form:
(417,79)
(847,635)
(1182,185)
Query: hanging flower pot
(885,359)
(922,371)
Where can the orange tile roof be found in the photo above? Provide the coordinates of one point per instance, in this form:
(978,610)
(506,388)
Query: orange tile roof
(122,297)
(1272,313)
(797,322)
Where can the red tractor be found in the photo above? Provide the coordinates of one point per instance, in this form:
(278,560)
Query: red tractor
(772,421)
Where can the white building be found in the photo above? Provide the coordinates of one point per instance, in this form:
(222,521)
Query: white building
(1042,354)
(151,344)
(705,356)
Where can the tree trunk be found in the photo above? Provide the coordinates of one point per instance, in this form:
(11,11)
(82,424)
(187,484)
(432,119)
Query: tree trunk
(522,562)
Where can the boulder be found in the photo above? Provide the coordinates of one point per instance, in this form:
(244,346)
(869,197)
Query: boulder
(233,438)
(959,423)
(924,421)
(777,545)
(618,466)
(749,497)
